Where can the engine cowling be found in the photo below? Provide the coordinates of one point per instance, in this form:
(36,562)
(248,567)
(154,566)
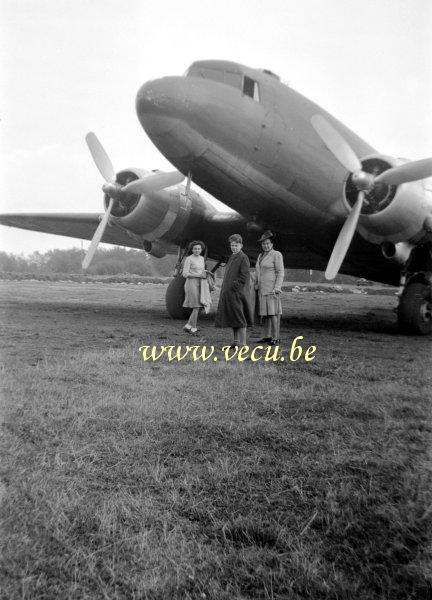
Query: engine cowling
(163,214)
(127,202)
(155,249)
(398,253)
(389,213)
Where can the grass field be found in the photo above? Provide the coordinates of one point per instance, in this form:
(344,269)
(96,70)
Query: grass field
(132,479)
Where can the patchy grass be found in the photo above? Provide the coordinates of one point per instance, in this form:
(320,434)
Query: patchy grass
(136,480)
(127,479)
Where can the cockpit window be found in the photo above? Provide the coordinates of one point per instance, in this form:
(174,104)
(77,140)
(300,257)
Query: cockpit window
(233,79)
(212,74)
(205,73)
(250,88)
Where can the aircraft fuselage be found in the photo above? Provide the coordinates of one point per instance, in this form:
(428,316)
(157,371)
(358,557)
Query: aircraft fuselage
(260,155)
(247,139)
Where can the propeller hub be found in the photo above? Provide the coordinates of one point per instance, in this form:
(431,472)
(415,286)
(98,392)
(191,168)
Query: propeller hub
(112,190)
(363,181)
(378,195)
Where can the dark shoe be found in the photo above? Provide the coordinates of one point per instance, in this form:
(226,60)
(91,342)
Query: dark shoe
(275,342)
(265,340)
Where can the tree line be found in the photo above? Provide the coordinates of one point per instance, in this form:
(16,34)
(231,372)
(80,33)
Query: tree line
(118,260)
(111,261)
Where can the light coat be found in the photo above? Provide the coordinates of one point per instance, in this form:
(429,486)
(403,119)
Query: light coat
(269,272)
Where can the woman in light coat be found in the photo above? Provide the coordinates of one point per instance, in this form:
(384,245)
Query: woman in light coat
(269,278)
(193,271)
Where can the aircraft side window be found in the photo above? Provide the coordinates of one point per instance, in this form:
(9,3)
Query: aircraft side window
(250,88)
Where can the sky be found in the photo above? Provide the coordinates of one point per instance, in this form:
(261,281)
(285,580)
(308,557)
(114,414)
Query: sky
(71,66)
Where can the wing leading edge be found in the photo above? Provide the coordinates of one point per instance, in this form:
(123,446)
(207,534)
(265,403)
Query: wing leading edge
(74,225)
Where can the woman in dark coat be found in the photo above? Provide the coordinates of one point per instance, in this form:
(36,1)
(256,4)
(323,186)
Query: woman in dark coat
(234,308)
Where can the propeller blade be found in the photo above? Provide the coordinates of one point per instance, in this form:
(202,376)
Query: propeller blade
(412,171)
(97,236)
(336,144)
(344,239)
(100,157)
(153,183)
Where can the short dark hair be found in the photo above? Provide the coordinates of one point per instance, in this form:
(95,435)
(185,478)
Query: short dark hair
(236,237)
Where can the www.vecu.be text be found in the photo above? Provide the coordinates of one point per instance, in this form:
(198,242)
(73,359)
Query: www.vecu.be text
(204,353)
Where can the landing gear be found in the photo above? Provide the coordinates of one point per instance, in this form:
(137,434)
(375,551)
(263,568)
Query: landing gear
(415,308)
(174,299)
(415,297)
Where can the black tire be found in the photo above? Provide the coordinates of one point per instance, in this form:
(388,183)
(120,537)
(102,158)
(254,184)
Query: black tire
(414,310)
(174,299)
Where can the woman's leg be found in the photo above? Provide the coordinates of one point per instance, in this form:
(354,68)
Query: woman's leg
(274,332)
(193,317)
(242,336)
(267,329)
(278,320)
(239,334)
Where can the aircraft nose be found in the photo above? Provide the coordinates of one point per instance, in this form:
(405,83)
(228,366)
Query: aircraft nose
(164,97)
(171,111)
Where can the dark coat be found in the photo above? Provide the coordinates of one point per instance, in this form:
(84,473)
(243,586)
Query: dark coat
(234,308)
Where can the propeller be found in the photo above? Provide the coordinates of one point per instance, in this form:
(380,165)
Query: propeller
(336,144)
(364,182)
(100,157)
(154,182)
(97,236)
(412,171)
(344,239)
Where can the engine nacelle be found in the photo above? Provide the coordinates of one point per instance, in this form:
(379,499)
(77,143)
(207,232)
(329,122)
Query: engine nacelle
(398,253)
(155,249)
(390,213)
(127,202)
(163,214)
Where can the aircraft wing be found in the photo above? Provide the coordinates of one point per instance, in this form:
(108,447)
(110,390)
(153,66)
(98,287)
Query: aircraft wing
(75,225)
(216,228)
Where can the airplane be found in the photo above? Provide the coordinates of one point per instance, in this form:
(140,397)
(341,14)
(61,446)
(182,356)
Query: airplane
(279,162)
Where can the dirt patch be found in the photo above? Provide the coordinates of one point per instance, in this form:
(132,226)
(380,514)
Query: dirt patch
(45,319)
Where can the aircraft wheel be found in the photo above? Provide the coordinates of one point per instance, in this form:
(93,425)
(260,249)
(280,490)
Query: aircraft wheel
(174,299)
(415,309)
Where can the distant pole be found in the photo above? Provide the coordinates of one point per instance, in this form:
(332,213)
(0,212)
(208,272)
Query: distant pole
(310,275)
